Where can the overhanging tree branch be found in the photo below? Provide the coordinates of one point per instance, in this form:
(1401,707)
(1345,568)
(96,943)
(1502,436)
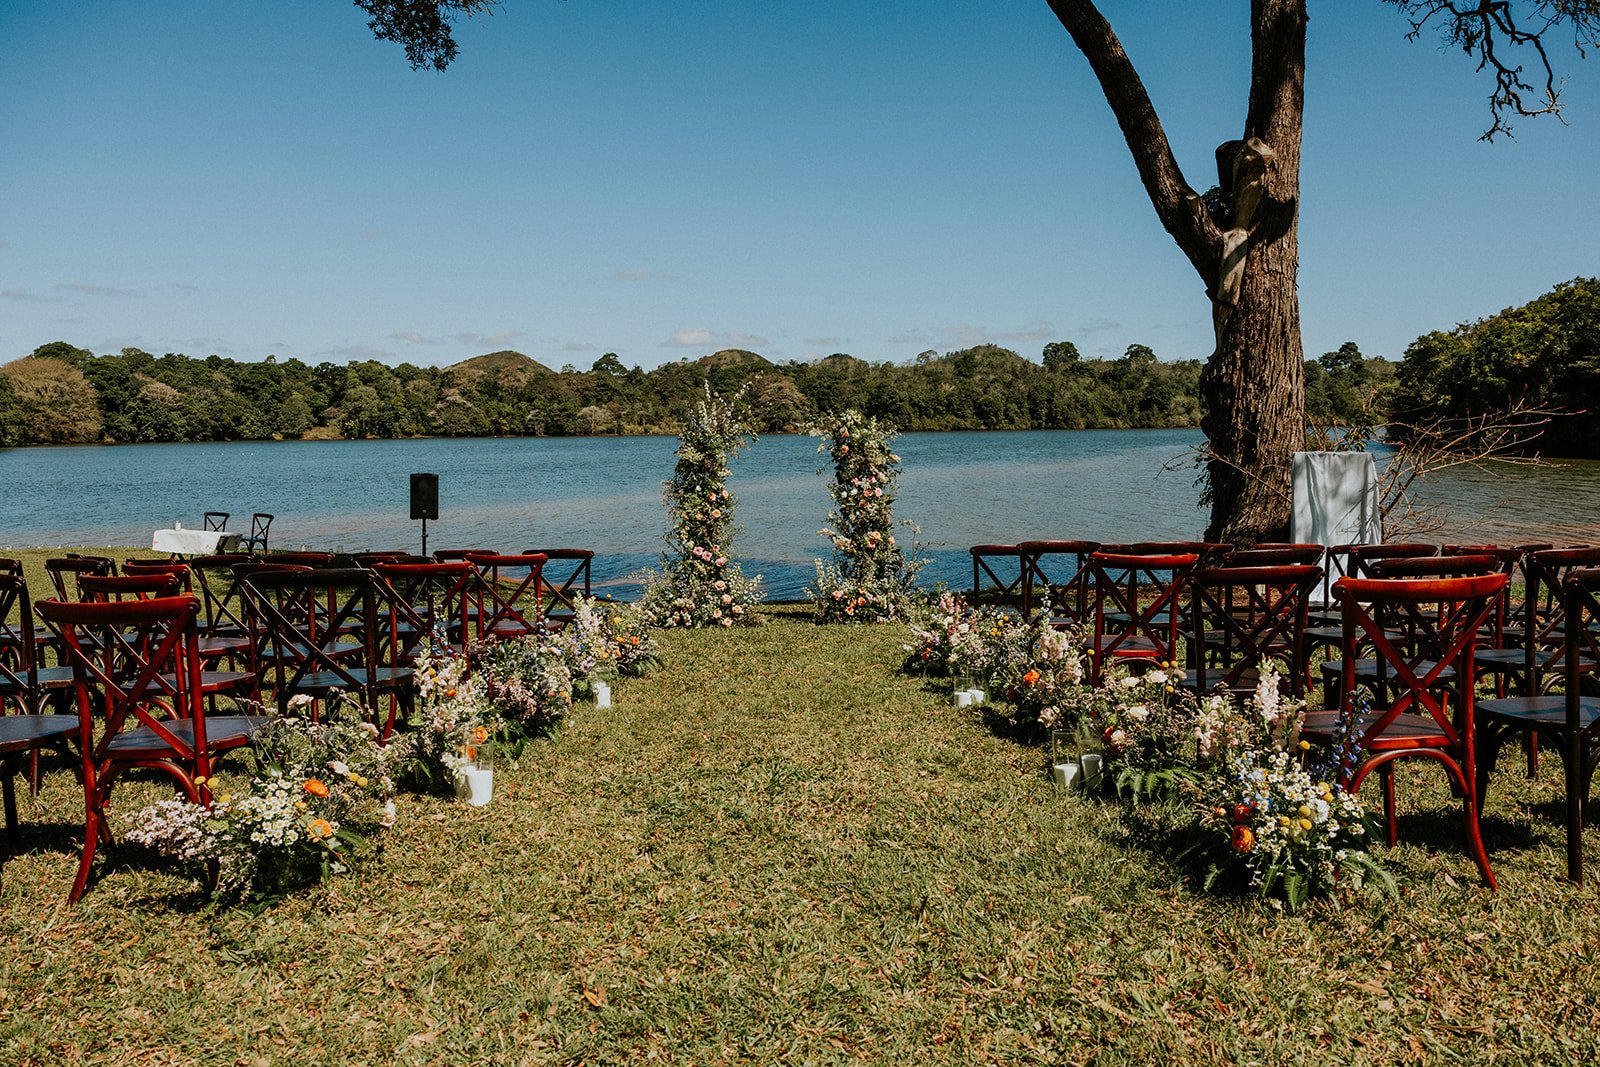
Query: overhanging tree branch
(1177,205)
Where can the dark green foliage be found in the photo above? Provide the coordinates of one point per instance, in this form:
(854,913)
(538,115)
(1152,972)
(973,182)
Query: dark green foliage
(1545,354)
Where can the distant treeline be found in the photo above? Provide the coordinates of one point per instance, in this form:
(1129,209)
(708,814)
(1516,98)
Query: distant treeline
(1544,355)
(65,395)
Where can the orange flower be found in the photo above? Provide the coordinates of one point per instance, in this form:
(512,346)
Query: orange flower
(635,639)
(319,829)
(1244,839)
(480,734)
(316,787)
(1031,677)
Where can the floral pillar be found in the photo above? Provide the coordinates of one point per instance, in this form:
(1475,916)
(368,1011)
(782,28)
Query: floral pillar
(869,578)
(699,584)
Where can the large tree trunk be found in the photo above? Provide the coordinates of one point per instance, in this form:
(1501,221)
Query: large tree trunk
(1253,388)
(1247,255)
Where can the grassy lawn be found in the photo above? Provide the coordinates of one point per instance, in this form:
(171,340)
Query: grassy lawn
(777,849)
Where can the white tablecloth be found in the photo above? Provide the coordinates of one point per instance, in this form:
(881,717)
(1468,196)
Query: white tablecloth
(192,542)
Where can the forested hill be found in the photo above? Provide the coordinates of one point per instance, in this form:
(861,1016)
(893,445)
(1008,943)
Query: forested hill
(61,394)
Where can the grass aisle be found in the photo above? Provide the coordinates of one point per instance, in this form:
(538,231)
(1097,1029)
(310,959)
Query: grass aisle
(778,850)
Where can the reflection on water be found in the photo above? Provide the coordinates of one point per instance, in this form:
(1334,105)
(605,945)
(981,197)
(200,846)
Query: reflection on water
(960,489)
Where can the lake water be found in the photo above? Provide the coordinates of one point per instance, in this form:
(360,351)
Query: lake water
(512,494)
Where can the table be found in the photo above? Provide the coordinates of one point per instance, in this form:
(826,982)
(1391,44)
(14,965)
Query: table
(179,541)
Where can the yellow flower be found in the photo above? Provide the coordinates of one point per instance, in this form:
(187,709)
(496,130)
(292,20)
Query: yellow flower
(359,780)
(1305,824)
(1305,746)
(224,798)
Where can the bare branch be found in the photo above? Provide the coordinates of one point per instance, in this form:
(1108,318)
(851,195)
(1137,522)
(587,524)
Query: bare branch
(1484,28)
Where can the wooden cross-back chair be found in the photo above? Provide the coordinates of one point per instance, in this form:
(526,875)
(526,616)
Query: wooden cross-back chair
(65,571)
(215,520)
(1055,579)
(430,603)
(1569,719)
(510,595)
(1241,615)
(26,688)
(1001,589)
(1134,603)
(1422,699)
(136,678)
(571,579)
(320,636)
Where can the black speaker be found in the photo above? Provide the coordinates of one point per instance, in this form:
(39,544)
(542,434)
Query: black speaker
(424,496)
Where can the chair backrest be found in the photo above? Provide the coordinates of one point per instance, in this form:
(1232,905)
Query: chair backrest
(1239,616)
(456,555)
(19,653)
(1442,616)
(425,600)
(64,573)
(1433,566)
(320,622)
(260,523)
(299,559)
(216,520)
(1274,555)
(1001,590)
(1134,601)
(110,588)
(1544,605)
(510,596)
(571,580)
(10,566)
(1362,557)
(1581,596)
(137,663)
(219,591)
(1055,577)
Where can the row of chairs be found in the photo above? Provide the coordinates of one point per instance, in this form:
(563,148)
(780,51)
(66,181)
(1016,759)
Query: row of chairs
(1412,628)
(166,665)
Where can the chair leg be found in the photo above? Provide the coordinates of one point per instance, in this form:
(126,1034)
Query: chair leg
(1475,840)
(1386,781)
(92,830)
(9,786)
(1530,745)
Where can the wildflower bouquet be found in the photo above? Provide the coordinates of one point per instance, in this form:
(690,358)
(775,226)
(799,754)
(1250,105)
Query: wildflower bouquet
(525,681)
(869,578)
(1286,832)
(314,794)
(1146,725)
(635,651)
(951,637)
(605,639)
(1040,674)
(453,713)
(698,584)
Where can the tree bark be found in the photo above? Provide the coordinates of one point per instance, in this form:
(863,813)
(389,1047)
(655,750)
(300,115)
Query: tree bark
(1252,388)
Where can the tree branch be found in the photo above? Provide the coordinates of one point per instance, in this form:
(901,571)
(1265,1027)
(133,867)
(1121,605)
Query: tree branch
(1178,206)
(422,26)
(1481,27)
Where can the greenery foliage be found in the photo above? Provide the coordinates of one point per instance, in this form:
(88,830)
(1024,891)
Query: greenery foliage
(1544,355)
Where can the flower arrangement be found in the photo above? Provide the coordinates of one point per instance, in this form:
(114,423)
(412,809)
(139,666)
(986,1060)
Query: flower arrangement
(525,681)
(869,578)
(606,638)
(314,794)
(953,638)
(1285,831)
(1040,673)
(698,583)
(453,714)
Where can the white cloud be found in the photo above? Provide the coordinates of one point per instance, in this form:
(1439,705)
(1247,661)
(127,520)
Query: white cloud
(701,337)
(99,290)
(28,298)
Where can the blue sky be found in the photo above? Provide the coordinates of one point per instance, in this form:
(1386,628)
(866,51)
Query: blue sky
(662,179)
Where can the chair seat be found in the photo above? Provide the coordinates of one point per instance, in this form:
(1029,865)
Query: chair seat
(21,732)
(1407,730)
(49,678)
(1550,711)
(331,682)
(222,732)
(218,645)
(1367,670)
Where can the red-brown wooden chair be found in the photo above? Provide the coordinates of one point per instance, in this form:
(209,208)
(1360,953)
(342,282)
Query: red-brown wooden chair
(136,678)
(430,601)
(1055,579)
(1569,719)
(1134,603)
(1000,590)
(571,580)
(321,636)
(1416,711)
(510,599)
(1239,616)
(65,571)
(26,689)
